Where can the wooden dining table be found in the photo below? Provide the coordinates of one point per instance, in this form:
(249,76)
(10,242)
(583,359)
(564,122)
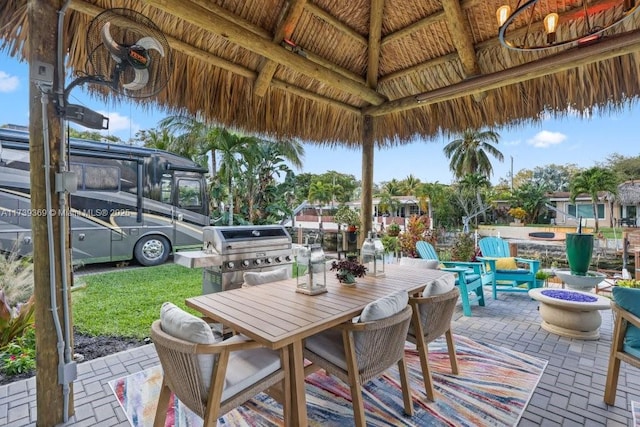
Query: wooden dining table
(275,315)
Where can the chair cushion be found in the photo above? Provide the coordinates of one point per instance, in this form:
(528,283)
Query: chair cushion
(253,278)
(247,367)
(508,263)
(470,278)
(441,285)
(429,264)
(328,345)
(629,300)
(516,271)
(185,326)
(384,307)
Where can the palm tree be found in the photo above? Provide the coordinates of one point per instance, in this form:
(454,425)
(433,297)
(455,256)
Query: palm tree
(266,160)
(232,148)
(194,138)
(410,185)
(393,187)
(592,181)
(469,154)
(160,139)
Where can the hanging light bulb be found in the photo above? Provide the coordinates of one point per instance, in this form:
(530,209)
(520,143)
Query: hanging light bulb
(502,14)
(550,26)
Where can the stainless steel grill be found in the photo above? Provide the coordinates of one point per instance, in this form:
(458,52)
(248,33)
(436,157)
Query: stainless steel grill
(235,250)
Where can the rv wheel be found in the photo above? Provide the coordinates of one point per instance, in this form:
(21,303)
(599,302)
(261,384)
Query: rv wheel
(152,250)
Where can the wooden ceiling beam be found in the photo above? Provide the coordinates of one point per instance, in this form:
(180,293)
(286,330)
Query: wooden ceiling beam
(607,49)
(375,34)
(222,27)
(462,38)
(284,31)
(332,20)
(216,61)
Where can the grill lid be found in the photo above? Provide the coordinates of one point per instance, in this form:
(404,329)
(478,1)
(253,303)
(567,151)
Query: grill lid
(239,239)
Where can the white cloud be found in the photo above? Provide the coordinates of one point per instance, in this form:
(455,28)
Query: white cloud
(8,83)
(546,139)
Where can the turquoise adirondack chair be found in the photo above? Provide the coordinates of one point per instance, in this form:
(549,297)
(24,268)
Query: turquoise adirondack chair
(469,276)
(512,280)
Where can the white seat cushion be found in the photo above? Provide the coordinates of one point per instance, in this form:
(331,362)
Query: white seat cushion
(440,285)
(253,278)
(328,345)
(247,367)
(182,325)
(384,307)
(428,264)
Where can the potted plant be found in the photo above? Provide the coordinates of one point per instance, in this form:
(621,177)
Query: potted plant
(541,277)
(628,283)
(347,217)
(393,229)
(347,271)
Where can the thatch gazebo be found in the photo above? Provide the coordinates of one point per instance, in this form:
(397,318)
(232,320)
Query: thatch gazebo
(628,193)
(355,73)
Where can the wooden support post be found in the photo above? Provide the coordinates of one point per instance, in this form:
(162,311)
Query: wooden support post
(366,206)
(42,40)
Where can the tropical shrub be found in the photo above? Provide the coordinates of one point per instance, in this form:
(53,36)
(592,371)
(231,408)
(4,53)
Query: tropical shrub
(518,213)
(19,356)
(464,248)
(417,229)
(16,297)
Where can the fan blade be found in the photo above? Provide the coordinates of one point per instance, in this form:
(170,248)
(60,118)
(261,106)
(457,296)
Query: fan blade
(150,43)
(117,51)
(140,80)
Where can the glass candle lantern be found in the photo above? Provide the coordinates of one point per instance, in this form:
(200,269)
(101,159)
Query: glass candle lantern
(372,252)
(378,262)
(312,274)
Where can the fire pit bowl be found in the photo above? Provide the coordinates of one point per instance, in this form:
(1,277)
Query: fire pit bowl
(569,313)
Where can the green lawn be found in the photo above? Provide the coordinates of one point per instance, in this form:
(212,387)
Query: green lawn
(125,303)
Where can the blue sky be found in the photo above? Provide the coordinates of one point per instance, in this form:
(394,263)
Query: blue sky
(570,140)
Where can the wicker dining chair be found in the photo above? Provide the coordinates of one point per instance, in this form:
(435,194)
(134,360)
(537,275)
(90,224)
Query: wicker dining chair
(241,369)
(431,319)
(359,352)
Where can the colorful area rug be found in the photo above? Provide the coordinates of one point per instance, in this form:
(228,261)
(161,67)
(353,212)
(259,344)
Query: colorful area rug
(635,410)
(493,389)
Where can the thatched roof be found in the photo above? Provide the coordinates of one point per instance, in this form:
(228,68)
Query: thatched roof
(629,193)
(362,58)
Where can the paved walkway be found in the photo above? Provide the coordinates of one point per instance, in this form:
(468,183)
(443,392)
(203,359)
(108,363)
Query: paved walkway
(569,393)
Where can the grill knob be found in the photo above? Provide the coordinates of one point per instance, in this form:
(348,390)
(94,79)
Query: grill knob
(288,257)
(230,264)
(245,263)
(278,259)
(268,260)
(257,261)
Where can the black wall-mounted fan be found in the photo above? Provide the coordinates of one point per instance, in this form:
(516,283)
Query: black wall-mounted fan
(129,54)
(128,50)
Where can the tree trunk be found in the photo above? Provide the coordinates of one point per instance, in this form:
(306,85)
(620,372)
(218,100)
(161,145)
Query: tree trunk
(366,209)
(595,214)
(42,40)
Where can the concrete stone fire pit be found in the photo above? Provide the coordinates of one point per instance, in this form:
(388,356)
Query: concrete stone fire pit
(570,313)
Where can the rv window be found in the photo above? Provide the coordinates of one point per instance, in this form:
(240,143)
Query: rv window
(189,193)
(101,178)
(96,178)
(165,189)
